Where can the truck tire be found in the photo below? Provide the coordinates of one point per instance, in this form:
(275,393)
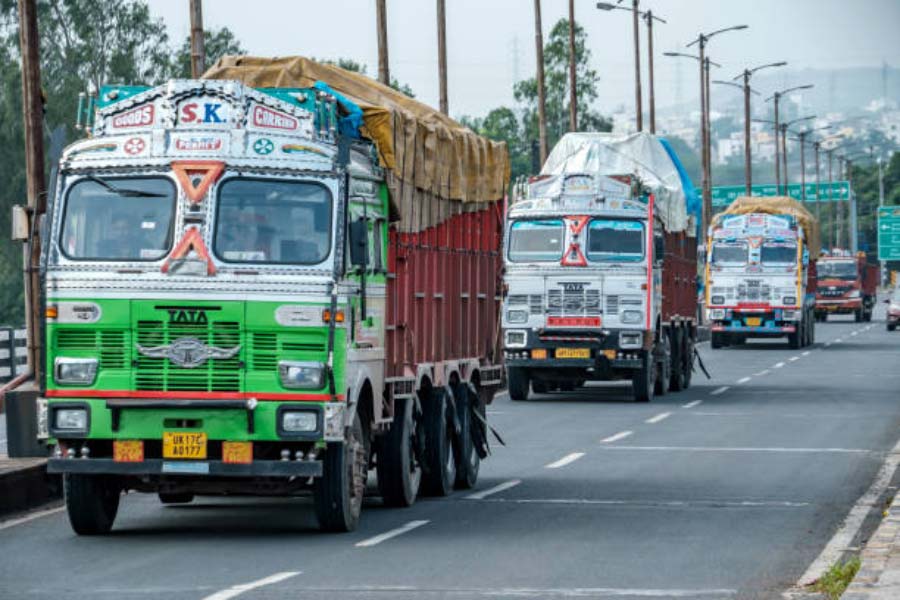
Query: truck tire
(676,379)
(664,374)
(338,493)
(398,469)
(857,315)
(170,498)
(468,463)
(643,379)
(517,383)
(716,340)
(439,470)
(92,502)
(688,359)
(795,340)
(891,326)
(812,332)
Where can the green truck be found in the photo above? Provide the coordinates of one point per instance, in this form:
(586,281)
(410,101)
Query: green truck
(246,296)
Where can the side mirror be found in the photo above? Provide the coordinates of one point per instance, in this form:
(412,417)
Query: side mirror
(359,243)
(659,248)
(21,224)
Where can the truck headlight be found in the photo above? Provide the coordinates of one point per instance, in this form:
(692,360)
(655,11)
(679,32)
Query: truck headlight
(853,294)
(301,375)
(515,339)
(631,316)
(716,314)
(70,419)
(75,371)
(789,300)
(517,316)
(300,421)
(630,340)
(717,299)
(789,315)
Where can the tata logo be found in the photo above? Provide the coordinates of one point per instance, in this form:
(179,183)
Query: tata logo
(187,316)
(195,113)
(573,286)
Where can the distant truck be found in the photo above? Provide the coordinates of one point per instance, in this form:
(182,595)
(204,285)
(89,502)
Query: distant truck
(848,285)
(601,262)
(761,272)
(246,296)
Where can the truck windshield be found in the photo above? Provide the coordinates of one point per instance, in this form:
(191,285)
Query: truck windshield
(724,253)
(118,219)
(844,269)
(611,240)
(778,254)
(536,241)
(273,221)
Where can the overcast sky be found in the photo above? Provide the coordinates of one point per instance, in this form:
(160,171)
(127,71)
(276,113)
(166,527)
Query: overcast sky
(491,42)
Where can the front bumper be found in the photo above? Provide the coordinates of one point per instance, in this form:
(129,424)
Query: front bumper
(603,346)
(774,329)
(160,467)
(839,306)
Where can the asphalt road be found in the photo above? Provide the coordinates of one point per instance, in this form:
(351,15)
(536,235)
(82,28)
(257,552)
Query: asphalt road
(729,490)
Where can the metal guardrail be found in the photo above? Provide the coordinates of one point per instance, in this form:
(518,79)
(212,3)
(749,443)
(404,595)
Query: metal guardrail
(13,353)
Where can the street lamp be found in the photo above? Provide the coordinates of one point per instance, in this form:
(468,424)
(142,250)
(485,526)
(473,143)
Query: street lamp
(648,17)
(784,129)
(801,137)
(701,41)
(777,97)
(748,166)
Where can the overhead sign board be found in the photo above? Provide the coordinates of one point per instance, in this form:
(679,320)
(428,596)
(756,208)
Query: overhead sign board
(889,233)
(836,190)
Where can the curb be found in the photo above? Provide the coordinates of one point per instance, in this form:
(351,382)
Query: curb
(879,574)
(25,484)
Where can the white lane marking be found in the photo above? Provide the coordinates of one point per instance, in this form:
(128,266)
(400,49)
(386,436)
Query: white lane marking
(565,460)
(835,547)
(659,417)
(721,390)
(691,404)
(656,503)
(793,358)
(778,365)
(237,590)
(527,592)
(743,380)
(372,541)
(502,487)
(761,373)
(742,449)
(854,333)
(804,353)
(616,437)
(838,341)
(31,517)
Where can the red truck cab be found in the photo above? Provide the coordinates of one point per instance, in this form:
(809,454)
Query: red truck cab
(847,285)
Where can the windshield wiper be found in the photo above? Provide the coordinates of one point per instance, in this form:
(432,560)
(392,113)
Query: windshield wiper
(127,193)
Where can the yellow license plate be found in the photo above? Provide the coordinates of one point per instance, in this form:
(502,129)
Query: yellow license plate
(610,354)
(177,444)
(128,451)
(754,321)
(573,353)
(240,453)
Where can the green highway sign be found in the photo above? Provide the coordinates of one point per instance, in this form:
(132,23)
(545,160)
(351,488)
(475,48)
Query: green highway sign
(889,233)
(837,190)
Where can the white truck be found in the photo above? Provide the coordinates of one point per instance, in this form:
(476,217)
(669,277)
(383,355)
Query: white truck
(600,257)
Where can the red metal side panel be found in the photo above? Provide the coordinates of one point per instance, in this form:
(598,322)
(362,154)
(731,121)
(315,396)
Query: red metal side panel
(442,289)
(679,279)
(812,277)
(870,279)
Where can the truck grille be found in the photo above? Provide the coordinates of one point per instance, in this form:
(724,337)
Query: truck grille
(834,291)
(582,303)
(533,301)
(267,348)
(754,290)
(110,344)
(160,374)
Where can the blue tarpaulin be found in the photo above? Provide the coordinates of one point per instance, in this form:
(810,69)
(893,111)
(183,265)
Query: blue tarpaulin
(353,120)
(692,200)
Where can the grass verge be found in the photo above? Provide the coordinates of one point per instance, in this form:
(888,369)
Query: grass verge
(837,578)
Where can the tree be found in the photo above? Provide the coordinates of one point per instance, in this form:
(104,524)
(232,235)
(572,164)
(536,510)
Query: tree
(216,44)
(502,125)
(556,76)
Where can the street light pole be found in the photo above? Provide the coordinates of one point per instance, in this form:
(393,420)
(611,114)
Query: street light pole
(384,74)
(573,96)
(198,54)
(442,55)
(777,97)
(539,48)
(637,68)
(649,18)
(816,146)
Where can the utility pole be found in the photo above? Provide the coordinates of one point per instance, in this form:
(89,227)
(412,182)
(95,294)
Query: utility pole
(573,96)
(198,52)
(852,226)
(708,142)
(704,148)
(639,117)
(649,16)
(802,135)
(748,164)
(833,212)
(442,54)
(33,113)
(784,155)
(816,146)
(777,97)
(539,48)
(384,73)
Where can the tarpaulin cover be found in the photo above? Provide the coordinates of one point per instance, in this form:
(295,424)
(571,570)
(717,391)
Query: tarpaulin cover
(692,198)
(640,154)
(423,150)
(778,205)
